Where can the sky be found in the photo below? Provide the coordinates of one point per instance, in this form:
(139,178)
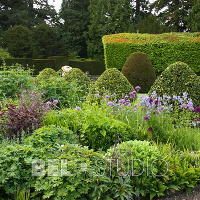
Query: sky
(57,3)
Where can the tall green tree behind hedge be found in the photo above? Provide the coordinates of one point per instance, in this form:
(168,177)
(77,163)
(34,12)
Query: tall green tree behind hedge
(75,16)
(174,13)
(194,17)
(47,41)
(107,17)
(25,12)
(18,40)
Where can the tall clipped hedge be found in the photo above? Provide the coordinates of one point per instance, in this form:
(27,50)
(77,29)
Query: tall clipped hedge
(162,49)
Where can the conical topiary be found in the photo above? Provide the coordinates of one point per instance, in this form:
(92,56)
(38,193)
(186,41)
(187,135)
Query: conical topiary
(177,79)
(139,71)
(112,81)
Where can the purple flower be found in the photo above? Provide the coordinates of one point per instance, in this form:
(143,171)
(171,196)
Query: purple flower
(110,103)
(48,103)
(146,118)
(97,95)
(78,108)
(55,101)
(150,129)
(185,106)
(107,96)
(122,101)
(137,88)
(161,108)
(197,109)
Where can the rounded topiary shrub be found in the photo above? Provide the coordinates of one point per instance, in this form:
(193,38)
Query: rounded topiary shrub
(177,79)
(78,76)
(46,74)
(112,81)
(139,71)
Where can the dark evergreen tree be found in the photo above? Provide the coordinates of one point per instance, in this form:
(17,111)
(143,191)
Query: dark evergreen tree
(173,13)
(25,12)
(194,17)
(75,15)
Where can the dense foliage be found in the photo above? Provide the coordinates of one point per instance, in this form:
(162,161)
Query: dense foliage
(13,79)
(112,81)
(139,71)
(163,49)
(177,79)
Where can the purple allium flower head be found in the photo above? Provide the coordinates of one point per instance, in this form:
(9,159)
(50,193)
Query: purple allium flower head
(122,101)
(146,118)
(150,129)
(107,96)
(97,95)
(110,103)
(137,88)
(55,101)
(48,103)
(78,108)
(185,106)
(161,108)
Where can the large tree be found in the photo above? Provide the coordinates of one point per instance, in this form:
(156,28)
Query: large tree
(25,12)
(173,13)
(75,16)
(194,17)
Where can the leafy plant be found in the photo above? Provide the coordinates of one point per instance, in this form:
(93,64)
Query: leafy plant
(112,81)
(24,117)
(93,126)
(177,79)
(14,79)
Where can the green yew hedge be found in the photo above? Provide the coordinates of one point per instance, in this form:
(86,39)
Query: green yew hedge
(162,49)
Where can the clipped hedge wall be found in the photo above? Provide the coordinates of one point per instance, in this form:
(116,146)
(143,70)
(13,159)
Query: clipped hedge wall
(92,66)
(162,49)
(56,62)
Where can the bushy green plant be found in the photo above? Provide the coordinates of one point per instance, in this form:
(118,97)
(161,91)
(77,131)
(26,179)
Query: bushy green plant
(177,79)
(51,136)
(151,169)
(139,71)
(4,54)
(112,81)
(14,79)
(81,174)
(46,73)
(80,78)
(68,94)
(94,127)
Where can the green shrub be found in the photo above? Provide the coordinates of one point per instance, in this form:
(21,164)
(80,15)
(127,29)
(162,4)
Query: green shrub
(81,174)
(79,77)
(4,54)
(68,94)
(139,71)
(112,81)
(46,73)
(51,136)
(14,79)
(177,79)
(94,128)
(152,170)
(162,49)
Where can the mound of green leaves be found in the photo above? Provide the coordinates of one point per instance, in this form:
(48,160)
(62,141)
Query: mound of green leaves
(177,79)
(112,81)
(139,71)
